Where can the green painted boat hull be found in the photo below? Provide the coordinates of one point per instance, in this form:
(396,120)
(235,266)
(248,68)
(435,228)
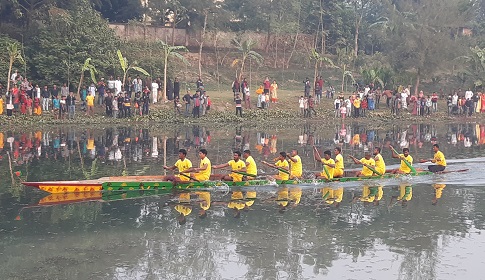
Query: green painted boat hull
(168,186)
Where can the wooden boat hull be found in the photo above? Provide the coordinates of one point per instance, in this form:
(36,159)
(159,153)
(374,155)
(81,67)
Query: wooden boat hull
(131,183)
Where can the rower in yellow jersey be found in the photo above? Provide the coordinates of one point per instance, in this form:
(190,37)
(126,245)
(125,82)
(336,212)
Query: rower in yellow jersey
(296,170)
(438,159)
(404,157)
(368,164)
(328,165)
(182,165)
(202,173)
(339,163)
(282,165)
(251,167)
(236,164)
(380,164)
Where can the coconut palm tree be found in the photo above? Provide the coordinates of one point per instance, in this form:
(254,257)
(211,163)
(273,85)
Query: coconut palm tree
(14,53)
(171,51)
(87,66)
(245,48)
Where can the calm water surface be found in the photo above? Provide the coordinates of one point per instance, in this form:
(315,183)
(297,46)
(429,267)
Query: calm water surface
(413,228)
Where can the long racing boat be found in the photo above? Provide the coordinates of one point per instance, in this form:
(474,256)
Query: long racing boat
(130,183)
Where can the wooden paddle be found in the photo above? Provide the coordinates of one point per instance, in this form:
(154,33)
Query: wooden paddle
(368,166)
(324,166)
(188,176)
(413,170)
(240,172)
(276,167)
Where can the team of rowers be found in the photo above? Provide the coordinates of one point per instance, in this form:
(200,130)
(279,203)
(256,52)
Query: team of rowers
(289,165)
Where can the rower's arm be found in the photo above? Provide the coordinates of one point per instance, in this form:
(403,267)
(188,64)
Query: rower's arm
(291,158)
(317,154)
(169,167)
(220,166)
(203,168)
(355,160)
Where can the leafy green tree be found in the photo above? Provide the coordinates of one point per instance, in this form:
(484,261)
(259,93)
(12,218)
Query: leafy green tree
(126,67)
(171,51)
(87,66)
(318,59)
(245,48)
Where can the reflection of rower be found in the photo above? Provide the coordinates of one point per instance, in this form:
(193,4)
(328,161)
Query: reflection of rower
(438,159)
(371,195)
(183,207)
(405,195)
(237,203)
(438,191)
(286,196)
(237,166)
(204,198)
(333,196)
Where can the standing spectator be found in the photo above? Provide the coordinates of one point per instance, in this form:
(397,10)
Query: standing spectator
(247,97)
(429,104)
(1,105)
(121,107)
(434,102)
(37,92)
(176,88)
(236,88)
(146,103)
(186,99)
(259,92)
(56,106)
(238,102)
(307,87)
(137,84)
(127,106)
(348,104)
(71,105)
(305,107)
(176,106)
(476,99)
(244,88)
(311,105)
(318,91)
(55,91)
(84,93)
(111,88)
(115,106)
(357,104)
(364,105)
(199,83)
(46,98)
(137,103)
(336,105)
(266,86)
(169,89)
(118,87)
(273,91)
(37,107)
(155,91)
(108,102)
(422,104)
(101,91)
(343,111)
(64,90)
(28,105)
(90,104)
(196,109)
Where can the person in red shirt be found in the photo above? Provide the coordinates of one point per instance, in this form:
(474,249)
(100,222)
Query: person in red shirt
(28,104)
(266,86)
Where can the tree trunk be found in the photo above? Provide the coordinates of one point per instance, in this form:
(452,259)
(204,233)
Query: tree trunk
(315,73)
(201,45)
(343,78)
(242,68)
(10,64)
(165,77)
(276,51)
(173,27)
(418,80)
(80,82)
(321,24)
(296,37)
(356,39)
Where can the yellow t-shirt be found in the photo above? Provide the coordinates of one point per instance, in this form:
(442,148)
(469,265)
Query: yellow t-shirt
(330,170)
(380,164)
(439,157)
(404,168)
(339,162)
(1,140)
(90,100)
(357,103)
(205,174)
(236,166)
(184,210)
(205,198)
(365,170)
(182,166)
(251,167)
(296,167)
(282,174)
(90,144)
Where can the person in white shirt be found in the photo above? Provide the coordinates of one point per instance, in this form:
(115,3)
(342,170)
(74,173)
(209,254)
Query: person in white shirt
(336,106)
(14,76)
(404,95)
(301,105)
(349,106)
(468,94)
(154,91)
(118,86)
(92,90)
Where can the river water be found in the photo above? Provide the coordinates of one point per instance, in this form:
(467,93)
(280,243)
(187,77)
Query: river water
(426,227)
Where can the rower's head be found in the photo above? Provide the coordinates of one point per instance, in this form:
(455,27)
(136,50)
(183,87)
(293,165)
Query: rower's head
(405,152)
(182,153)
(436,148)
(282,156)
(202,153)
(377,151)
(237,155)
(337,150)
(327,154)
(294,153)
(367,155)
(246,153)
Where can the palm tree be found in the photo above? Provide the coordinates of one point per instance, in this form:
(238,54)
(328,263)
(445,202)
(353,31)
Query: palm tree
(171,51)
(318,58)
(245,48)
(14,53)
(125,67)
(87,66)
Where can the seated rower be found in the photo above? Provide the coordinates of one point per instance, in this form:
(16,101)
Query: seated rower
(283,167)
(406,162)
(368,165)
(204,171)
(251,167)
(439,159)
(380,164)
(328,165)
(182,165)
(338,172)
(237,166)
(296,170)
